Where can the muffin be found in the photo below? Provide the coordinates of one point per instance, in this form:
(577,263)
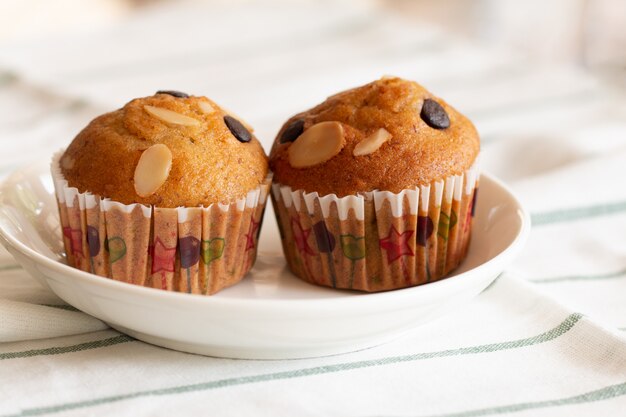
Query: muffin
(374,189)
(166,192)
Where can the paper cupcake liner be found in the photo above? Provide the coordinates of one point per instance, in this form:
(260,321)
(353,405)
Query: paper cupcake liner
(196,250)
(379,240)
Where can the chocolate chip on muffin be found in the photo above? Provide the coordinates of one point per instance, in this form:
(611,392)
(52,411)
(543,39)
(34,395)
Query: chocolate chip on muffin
(174,93)
(292,131)
(434,115)
(237,129)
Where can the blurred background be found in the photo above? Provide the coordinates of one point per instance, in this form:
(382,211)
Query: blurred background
(588,33)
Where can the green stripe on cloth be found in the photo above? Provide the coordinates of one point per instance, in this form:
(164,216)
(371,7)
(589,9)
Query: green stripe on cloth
(116,340)
(75,105)
(61,307)
(605,393)
(552,334)
(10,267)
(568,215)
(7,78)
(590,277)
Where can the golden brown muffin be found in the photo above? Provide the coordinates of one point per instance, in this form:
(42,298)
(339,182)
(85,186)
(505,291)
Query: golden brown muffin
(415,154)
(172,153)
(374,189)
(209,164)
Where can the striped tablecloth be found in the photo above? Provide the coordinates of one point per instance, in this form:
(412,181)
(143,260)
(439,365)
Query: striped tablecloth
(546,339)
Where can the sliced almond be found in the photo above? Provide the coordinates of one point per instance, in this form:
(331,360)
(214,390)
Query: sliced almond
(170,116)
(152,169)
(371,143)
(206,107)
(316,145)
(67,162)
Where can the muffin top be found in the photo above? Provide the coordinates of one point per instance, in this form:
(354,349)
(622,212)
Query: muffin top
(167,150)
(391,134)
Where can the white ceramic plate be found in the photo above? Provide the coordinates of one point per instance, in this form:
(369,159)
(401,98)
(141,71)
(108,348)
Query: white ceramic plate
(269,315)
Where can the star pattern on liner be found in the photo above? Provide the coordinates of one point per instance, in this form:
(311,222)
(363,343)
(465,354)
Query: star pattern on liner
(252,231)
(163,258)
(397,244)
(301,236)
(76,239)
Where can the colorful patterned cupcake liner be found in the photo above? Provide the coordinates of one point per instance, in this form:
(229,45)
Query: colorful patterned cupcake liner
(197,250)
(378,240)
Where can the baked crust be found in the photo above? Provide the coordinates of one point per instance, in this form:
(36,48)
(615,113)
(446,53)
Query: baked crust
(416,154)
(209,164)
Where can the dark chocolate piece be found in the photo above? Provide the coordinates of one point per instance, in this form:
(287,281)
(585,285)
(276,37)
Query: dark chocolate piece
(434,115)
(173,93)
(237,129)
(293,130)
